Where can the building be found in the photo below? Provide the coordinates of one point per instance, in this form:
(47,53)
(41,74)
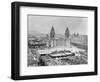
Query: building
(53,42)
(36,44)
(80,39)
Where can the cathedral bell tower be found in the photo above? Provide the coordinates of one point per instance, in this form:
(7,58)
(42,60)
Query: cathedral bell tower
(67,39)
(52,37)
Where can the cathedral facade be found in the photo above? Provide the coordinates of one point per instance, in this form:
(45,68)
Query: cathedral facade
(53,41)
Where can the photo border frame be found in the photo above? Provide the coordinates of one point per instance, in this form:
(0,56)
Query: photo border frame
(15,39)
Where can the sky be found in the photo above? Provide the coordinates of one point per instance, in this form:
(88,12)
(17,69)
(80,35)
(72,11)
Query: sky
(44,23)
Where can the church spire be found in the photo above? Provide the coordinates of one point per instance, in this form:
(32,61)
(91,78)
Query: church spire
(67,33)
(52,33)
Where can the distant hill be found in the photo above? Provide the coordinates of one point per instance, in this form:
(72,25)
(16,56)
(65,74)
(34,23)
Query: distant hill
(36,34)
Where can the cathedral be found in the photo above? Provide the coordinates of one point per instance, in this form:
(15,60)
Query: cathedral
(53,41)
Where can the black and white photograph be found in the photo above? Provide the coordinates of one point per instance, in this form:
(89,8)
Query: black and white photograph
(57,40)
(53,40)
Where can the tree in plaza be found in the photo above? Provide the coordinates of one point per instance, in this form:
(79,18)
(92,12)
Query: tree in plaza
(67,33)
(52,33)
